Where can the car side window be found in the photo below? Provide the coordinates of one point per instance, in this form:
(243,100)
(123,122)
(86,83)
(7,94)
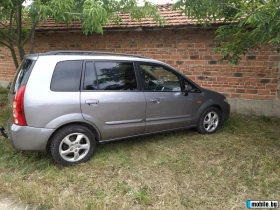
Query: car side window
(159,78)
(110,76)
(67,76)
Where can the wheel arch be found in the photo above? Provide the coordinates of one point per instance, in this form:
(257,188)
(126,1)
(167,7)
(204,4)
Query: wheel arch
(92,128)
(219,108)
(205,106)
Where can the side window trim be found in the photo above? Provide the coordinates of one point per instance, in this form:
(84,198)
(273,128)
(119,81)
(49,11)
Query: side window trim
(138,76)
(82,87)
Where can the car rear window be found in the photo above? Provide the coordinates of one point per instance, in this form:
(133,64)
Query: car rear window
(22,75)
(66,76)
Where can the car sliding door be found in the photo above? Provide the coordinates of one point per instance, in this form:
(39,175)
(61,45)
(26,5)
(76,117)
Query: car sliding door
(110,98)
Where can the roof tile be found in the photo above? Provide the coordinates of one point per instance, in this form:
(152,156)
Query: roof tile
(172,18)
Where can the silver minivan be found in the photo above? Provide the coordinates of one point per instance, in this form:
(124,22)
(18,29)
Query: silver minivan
(67,101)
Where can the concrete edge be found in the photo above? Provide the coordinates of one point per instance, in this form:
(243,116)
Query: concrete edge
(3,84)
(255,107)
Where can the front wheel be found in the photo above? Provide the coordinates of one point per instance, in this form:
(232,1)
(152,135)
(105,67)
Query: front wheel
(72,145)
(209,121)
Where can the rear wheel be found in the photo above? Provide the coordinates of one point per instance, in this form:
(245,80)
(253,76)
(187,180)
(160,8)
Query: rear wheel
(209,121)
(72,145)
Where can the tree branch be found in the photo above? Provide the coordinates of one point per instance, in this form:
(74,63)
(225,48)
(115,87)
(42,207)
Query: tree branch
(32,42)
(5,44)
(5,26)
(11,20)
(8,38)
(30,32)
(19,31)
(10,32)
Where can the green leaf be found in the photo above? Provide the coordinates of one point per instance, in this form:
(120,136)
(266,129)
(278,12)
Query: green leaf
(249,24)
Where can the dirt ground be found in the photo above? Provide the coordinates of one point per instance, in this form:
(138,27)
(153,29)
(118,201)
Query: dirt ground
(10,204)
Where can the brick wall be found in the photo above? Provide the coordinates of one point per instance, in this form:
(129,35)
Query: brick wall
(190,51)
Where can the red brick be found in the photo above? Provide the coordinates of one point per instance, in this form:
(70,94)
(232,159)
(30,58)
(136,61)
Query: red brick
(251,91)
(235,95)
(247,96)
(262,57)
(254,80)
(207,57)
(230,90)
(270,97)
(176,50)
(274,58)
(258,97)
(221,79)
(218,89)
(264,92)
(233,79)
(199,45)
(240,90)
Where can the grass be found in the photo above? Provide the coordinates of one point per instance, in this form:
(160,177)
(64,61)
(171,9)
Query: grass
(176,170)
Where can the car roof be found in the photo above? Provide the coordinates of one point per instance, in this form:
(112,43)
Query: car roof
(93,55)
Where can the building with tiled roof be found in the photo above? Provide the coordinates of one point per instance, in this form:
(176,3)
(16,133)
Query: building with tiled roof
(172,18)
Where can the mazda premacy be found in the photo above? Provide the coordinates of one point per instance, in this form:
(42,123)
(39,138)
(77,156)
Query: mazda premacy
(66,102)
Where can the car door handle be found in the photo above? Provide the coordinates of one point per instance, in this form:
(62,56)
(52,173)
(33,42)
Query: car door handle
(155,100)
(92,101)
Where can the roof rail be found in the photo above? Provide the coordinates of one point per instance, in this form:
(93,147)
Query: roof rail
(74,52)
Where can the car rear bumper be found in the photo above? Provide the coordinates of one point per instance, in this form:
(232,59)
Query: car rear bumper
(28,138)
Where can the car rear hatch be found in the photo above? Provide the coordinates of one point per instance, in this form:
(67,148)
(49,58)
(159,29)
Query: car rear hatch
(21,78)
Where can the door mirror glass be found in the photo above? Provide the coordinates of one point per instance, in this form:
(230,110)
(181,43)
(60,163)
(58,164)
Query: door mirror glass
(188,87)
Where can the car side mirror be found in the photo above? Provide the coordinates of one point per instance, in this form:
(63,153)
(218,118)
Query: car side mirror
(9,86)
(187,88)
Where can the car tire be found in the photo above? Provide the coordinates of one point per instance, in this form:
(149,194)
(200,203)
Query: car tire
(72,145)
(209,121)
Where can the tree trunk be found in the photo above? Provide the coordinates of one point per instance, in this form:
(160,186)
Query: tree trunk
(14,56)
(32,42)
(21,52)
(278,85)
(19,32)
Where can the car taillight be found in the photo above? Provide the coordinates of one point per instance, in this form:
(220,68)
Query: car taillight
(18,109)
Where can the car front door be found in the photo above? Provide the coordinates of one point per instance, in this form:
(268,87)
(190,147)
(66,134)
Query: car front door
(110,99)
(167,105)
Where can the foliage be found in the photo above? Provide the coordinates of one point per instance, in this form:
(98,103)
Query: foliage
(246,24)
(17,22)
